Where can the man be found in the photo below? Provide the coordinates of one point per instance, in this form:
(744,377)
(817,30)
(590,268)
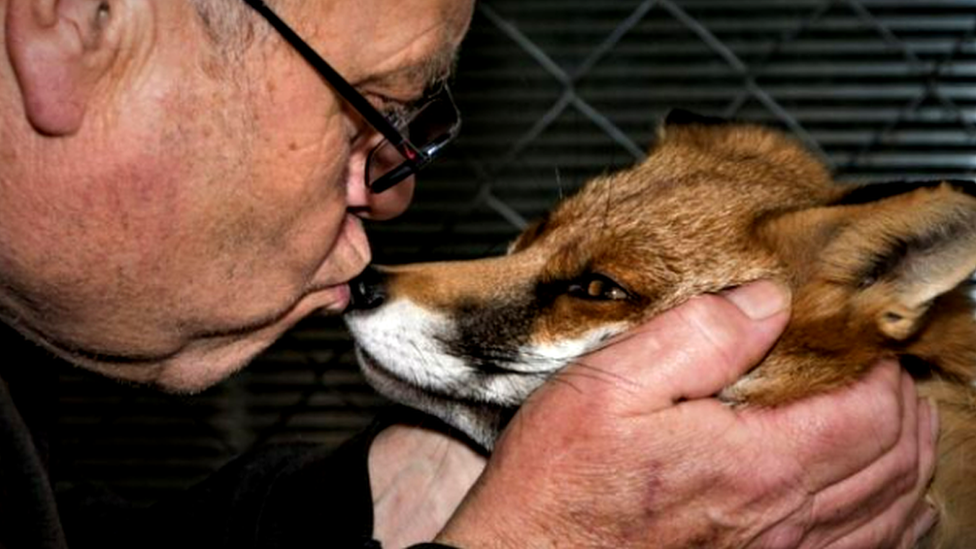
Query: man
(179,186)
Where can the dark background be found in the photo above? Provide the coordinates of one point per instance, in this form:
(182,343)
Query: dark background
(553,92)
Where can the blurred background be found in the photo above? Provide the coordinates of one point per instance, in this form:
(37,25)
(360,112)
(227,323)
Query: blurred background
(553,92)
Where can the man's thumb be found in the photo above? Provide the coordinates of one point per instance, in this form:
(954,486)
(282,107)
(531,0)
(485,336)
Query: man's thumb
(698,348)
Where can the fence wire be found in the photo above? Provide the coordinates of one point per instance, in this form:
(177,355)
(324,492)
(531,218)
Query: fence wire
(553,93)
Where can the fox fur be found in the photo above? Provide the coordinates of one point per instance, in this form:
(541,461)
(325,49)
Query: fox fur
(877,271)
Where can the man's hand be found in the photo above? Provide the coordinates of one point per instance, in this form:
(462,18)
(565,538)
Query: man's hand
(417,476)
(629,449)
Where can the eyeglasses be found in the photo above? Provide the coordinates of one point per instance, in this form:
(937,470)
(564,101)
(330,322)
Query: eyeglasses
(409,145)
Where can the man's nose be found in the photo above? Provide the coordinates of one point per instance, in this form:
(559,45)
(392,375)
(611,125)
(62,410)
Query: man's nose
(378,206)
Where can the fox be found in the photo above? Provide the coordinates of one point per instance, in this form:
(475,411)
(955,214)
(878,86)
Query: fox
(877,271)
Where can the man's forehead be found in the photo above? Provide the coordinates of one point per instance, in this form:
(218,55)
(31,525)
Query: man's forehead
(413,44)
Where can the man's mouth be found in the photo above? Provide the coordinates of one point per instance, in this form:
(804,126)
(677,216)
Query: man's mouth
(341,298)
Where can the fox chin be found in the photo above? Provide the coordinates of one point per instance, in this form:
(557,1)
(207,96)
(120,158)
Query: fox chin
(877,271)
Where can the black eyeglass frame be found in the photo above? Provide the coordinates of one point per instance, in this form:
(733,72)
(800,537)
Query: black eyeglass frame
(415,158)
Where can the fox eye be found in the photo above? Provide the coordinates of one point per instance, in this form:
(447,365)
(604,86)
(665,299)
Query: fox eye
(598,288)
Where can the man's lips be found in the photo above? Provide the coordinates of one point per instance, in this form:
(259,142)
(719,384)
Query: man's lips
(342,297)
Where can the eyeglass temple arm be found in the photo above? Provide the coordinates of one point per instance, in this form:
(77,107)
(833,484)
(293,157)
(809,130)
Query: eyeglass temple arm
(338,83)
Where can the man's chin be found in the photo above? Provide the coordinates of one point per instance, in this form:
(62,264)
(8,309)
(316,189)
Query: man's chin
(208,361)
(193,369)
(194,364)
(202,363)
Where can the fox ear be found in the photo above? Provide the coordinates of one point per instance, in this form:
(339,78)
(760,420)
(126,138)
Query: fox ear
(899,247)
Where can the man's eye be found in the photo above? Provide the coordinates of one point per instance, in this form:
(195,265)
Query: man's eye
(597,287)
(395,111)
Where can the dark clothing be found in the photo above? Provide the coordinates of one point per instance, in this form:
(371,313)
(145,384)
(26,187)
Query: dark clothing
(280,497)
(283,496)
(28,512)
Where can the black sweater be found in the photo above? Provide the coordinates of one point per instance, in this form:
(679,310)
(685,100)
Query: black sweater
(283,496)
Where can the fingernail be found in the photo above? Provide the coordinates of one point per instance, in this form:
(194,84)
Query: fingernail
(925,523)
(761,299)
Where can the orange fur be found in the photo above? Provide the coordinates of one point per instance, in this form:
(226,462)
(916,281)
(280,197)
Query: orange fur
(718,206)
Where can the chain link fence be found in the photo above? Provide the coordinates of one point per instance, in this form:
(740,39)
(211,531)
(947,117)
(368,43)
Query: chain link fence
(554,92)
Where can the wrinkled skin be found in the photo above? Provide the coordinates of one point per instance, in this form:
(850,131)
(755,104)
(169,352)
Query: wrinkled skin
(199,207)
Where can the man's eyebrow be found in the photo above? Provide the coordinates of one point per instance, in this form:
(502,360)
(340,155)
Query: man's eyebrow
(425,73)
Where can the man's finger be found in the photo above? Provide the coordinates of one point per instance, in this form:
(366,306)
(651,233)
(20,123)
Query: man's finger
(888,487)
(836,435)
(697,349)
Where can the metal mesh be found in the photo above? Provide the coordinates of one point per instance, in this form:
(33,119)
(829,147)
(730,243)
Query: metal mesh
(553,93)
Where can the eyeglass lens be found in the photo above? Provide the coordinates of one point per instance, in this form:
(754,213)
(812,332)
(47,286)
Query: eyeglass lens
(428,130)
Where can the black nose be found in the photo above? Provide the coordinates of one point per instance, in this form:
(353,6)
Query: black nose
(368,290)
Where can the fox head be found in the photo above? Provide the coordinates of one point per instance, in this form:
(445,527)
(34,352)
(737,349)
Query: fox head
(876,271)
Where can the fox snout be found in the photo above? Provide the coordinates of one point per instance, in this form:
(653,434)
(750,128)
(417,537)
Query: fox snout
(464,341)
